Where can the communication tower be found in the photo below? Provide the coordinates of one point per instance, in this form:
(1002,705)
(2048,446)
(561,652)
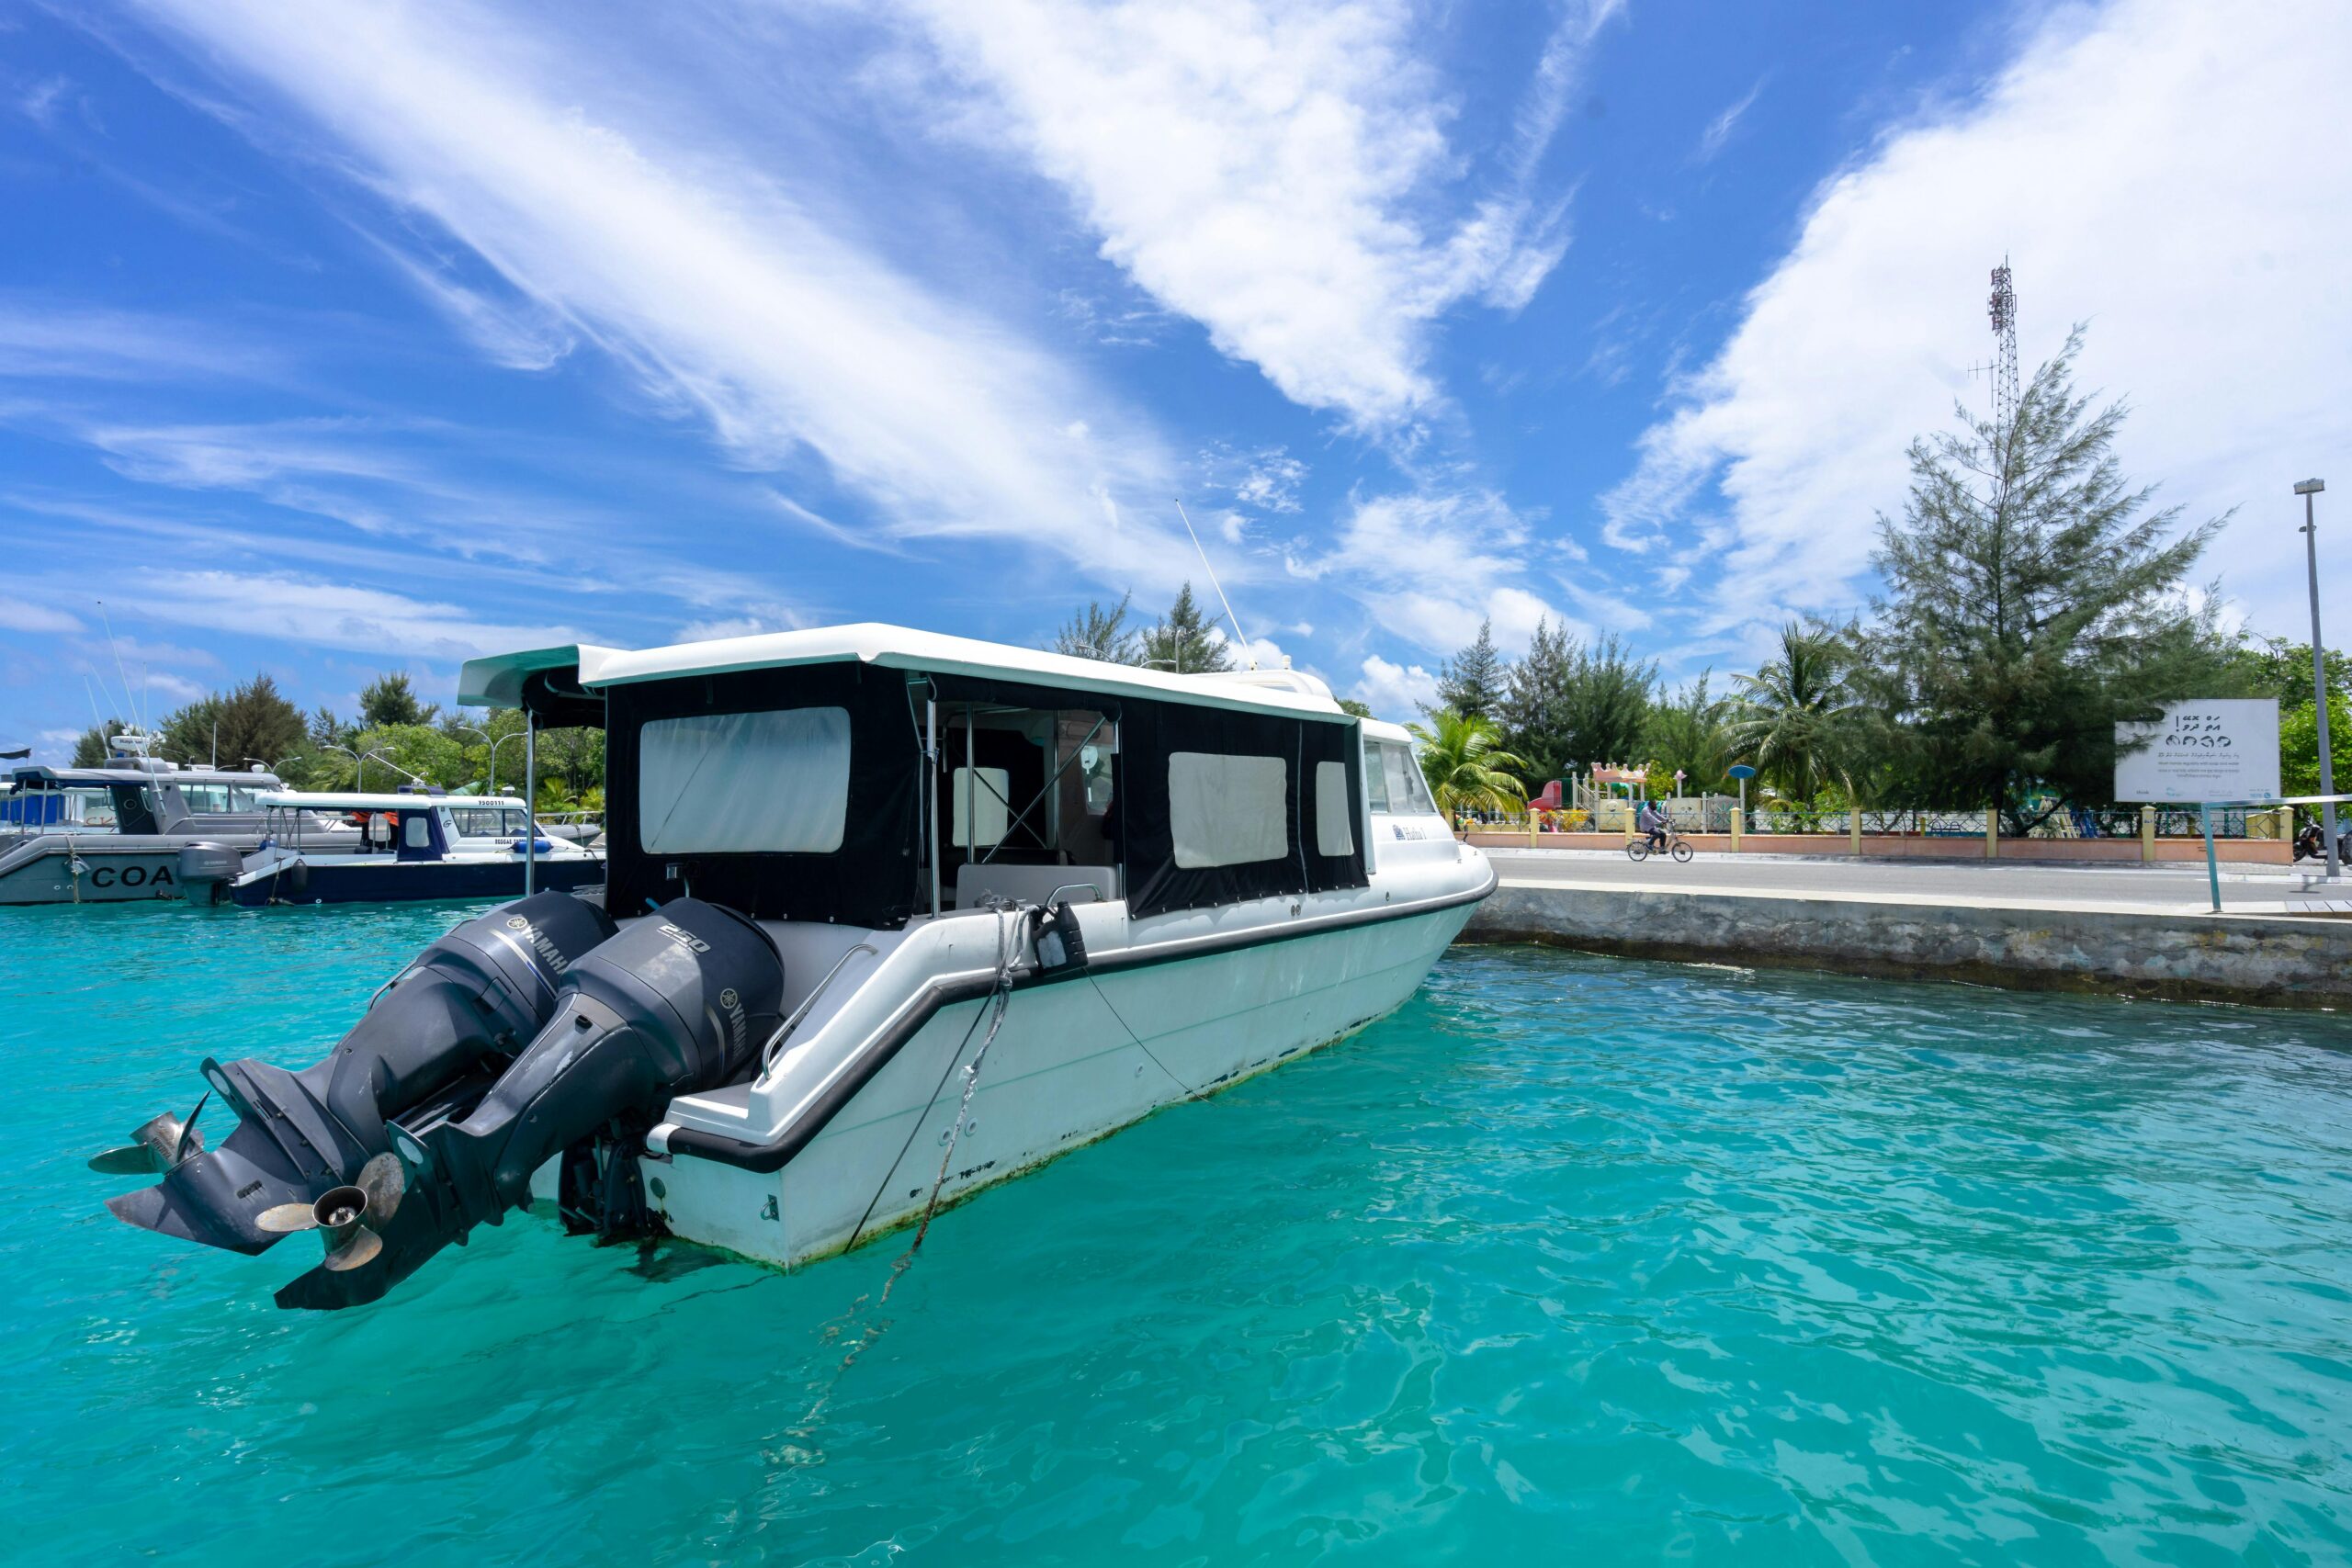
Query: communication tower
(2003,312)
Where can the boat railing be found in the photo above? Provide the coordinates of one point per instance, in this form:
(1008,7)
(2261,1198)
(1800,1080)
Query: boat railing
(769,1052)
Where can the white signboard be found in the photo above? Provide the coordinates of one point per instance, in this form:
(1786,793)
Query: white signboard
(2217,749)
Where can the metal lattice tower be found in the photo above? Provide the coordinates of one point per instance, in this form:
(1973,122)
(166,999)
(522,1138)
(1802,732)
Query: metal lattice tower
(2004,310)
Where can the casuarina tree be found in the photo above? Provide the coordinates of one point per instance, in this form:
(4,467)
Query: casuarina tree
(1185,640)
(2034,598)
(1471,683)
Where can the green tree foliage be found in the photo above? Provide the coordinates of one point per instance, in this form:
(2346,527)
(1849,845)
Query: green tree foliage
(389,700)
(2273,667)
(2033,601)
(1350,704)
(248,723)
(1462,758)
(1796,720)
(1471,683)
(1570,704)
(1185,640)
(1686,734)
(2299,745)
(90,751)
(1097,633)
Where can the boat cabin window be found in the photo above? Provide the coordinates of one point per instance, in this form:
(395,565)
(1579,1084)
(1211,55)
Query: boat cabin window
(199,799)
(1396,779)
(1227,810)
(1334,822)
(487,821)
(772,781)
(978,800)
(417,828)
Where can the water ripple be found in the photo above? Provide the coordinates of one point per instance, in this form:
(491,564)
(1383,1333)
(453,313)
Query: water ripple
(1572,1256)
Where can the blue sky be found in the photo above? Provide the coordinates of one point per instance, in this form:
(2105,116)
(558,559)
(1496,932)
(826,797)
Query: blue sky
(338,339)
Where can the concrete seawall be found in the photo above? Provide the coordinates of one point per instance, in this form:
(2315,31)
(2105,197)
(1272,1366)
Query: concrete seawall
(2272,961)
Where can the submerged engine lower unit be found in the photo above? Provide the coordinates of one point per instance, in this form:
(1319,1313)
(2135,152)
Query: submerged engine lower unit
(532,1031)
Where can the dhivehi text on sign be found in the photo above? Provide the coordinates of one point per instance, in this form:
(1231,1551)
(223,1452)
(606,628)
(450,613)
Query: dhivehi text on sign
(2215,749)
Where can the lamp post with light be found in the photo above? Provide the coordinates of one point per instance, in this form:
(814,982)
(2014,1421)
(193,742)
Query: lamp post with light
(2308,488)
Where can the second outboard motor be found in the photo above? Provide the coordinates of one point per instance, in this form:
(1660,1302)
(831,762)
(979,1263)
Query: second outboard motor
(440,1031)
(681,1000)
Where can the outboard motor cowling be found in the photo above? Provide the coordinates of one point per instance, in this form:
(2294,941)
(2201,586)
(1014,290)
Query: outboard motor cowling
(454,1017)
(681,1000)
(205,869)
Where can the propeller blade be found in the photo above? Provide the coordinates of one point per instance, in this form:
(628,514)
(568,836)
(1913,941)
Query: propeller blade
(286,1217)
(190,1141)
(131,1160)
(384,1183)
(362,1248)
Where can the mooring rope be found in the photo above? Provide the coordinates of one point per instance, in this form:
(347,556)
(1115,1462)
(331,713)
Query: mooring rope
(1000,999)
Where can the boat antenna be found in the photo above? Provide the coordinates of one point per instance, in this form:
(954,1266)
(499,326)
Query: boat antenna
(118,670)
(1238,637)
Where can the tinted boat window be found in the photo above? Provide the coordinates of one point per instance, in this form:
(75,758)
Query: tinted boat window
(1227,810)
(1375,777)
(744,783)
(1334,829)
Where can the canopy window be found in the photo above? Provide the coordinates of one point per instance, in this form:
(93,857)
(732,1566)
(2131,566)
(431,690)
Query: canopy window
(1219,806)
(789,793)
(774,781)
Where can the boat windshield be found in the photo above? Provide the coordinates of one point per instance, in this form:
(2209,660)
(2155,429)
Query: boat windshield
(489,821)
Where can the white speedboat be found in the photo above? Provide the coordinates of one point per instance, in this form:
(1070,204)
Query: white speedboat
(411,846)
(888,917)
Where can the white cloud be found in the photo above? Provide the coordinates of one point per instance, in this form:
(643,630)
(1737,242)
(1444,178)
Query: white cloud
(41,337)
(1395,692)
(1719,129)
(24,616)
(320,614)
(2137,165)
(689,261)
(1267,168)
(1431,564)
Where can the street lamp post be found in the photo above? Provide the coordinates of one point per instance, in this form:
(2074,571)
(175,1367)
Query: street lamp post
(2308,488)
(360,782)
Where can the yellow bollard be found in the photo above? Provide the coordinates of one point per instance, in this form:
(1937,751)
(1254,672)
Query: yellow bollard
(1535,828)
(1854,829)
(1737,825)
(1991,832)
(2147,832)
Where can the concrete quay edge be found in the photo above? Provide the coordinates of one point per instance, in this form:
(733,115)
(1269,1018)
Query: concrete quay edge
(2259,959)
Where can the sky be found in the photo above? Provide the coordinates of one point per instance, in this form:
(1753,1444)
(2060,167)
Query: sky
(344,338)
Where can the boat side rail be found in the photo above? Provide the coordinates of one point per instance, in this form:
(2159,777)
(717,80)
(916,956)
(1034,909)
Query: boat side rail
(784,1030)
(767,1144)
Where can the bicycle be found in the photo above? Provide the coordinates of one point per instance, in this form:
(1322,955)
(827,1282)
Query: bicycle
(1637,850)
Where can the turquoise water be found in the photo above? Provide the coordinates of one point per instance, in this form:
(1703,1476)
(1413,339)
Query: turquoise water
(1571,1259)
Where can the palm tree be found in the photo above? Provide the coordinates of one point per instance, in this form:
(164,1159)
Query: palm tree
(1464,762)
(1796,717)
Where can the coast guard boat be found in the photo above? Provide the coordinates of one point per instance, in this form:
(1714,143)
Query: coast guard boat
(137,828)
(888,917)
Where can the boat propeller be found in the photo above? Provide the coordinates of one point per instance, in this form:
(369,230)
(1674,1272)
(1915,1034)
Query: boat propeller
(341,1215)
(158,1146)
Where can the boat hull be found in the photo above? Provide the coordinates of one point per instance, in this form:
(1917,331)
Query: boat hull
(40,870)
(393,881)
(1074,1060)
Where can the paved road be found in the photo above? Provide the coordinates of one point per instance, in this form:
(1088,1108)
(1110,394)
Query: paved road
(2157,886)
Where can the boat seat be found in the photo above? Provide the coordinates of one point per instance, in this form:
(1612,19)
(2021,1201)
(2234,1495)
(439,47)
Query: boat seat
(1032,883)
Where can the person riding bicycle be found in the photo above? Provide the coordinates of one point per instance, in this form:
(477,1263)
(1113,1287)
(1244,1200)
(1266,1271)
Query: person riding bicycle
(1651,819)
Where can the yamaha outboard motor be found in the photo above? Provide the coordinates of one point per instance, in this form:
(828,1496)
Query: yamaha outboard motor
(439,1033)
(680,1002)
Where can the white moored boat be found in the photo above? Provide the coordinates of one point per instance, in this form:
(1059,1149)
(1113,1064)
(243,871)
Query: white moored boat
(844,863)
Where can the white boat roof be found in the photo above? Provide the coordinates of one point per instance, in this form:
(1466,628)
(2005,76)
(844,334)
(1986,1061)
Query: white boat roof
(377,800)
(497,681)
